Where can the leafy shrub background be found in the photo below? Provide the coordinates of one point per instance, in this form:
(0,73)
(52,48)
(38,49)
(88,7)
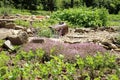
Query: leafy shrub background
(86,17)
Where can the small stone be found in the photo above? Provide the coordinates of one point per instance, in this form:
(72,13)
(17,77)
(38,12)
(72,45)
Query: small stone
(38,40)
(8,45)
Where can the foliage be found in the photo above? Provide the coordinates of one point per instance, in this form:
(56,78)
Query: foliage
(30,65)
(5,11)
(113,6)
(86,17)
(22,23)
(45,33)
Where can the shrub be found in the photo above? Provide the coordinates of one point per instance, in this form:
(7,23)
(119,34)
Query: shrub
(86,17)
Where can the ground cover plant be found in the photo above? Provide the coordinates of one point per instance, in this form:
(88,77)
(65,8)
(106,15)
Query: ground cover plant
(69,51)
(32,65)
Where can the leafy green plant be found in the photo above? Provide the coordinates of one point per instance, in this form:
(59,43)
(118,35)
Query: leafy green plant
(22,23)
(45,33)
(86,17)
(28,66)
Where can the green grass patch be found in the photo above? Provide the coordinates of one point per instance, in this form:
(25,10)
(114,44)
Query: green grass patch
(114,20)
(10,10)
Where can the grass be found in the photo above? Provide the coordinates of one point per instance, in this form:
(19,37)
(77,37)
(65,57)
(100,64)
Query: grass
(113,20)
(10,10)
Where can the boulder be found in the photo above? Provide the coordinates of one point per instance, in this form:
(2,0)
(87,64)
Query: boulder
(7,44)
(20,38)
(60,29)
(4,33)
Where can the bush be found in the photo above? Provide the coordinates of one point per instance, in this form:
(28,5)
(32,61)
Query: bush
(86,17)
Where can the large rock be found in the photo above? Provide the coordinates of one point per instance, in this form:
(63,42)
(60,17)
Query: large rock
(4,33)
(10,26)
(20,38)
(60,29)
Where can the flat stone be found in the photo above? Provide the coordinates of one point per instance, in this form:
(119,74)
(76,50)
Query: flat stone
(117,50)
(8,45)
(36,40)
(19,27)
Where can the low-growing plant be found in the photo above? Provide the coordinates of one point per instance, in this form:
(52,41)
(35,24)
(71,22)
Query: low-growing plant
(22,23)
(30,67)
(5,11)
(45,33)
